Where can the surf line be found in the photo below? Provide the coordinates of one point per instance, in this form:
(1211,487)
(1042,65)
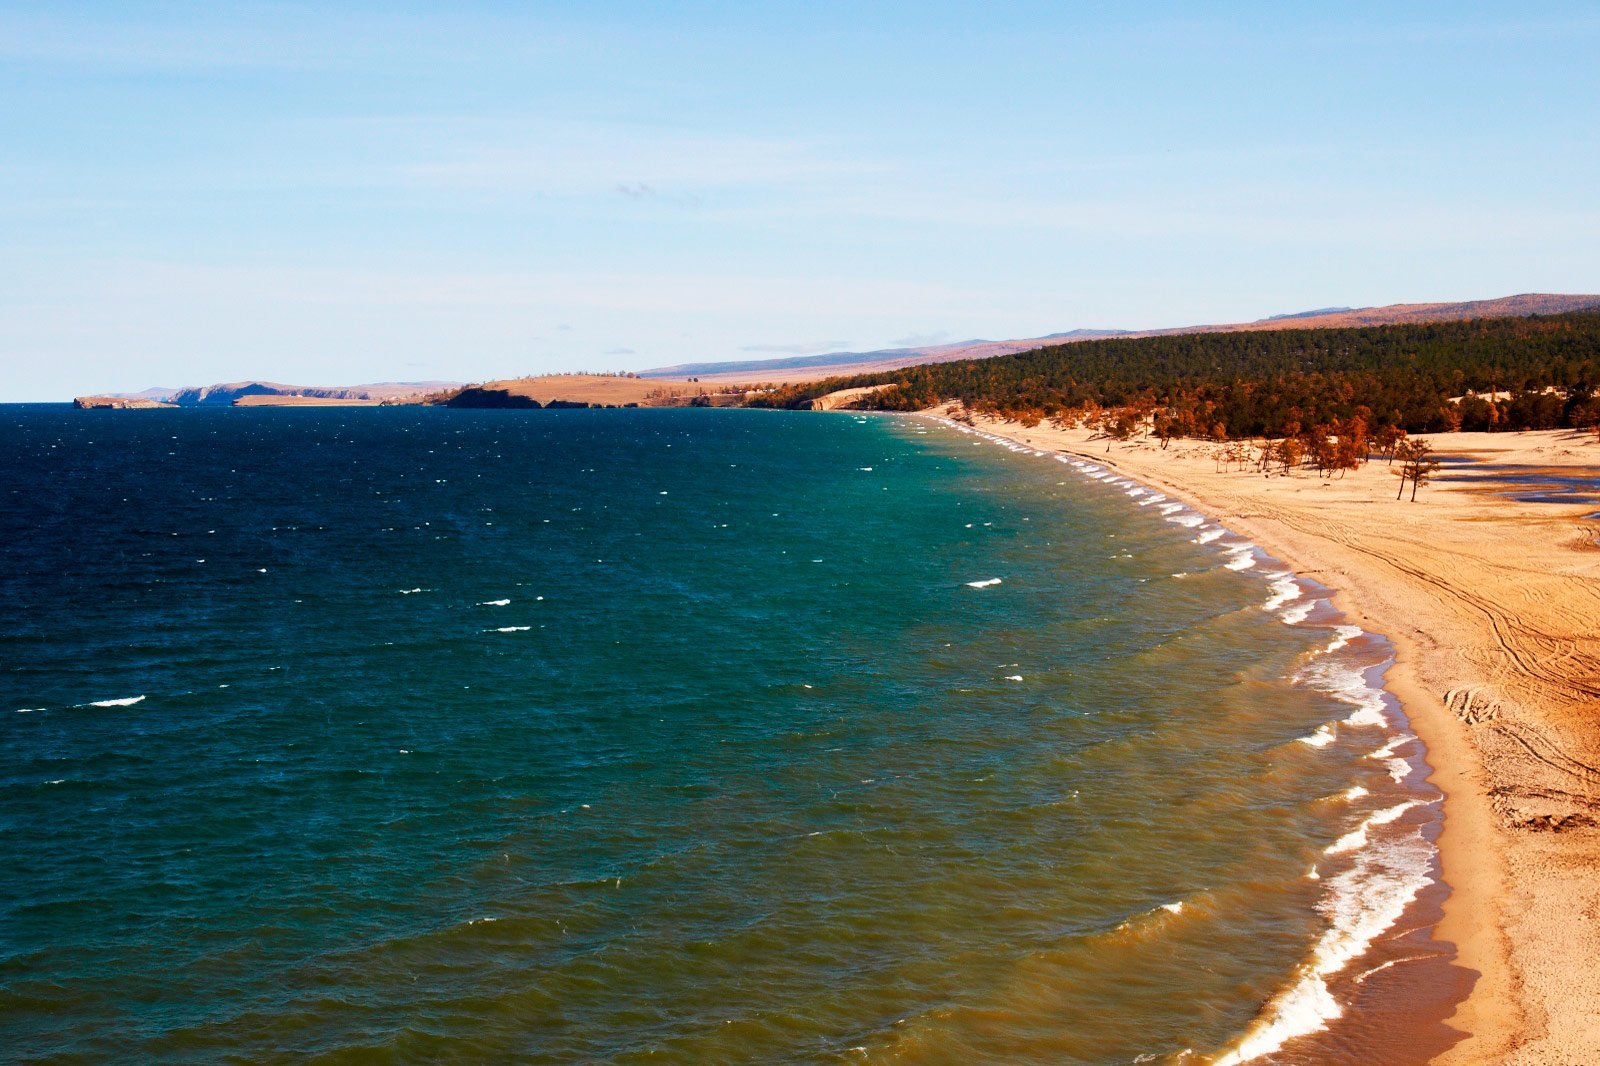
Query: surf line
(1384,877)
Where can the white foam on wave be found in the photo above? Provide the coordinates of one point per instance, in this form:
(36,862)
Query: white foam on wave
(985,583)
(1349,685)
(1360,904)
(1206,536)
(510,629)
(1322,737)
(1284,588)
(1241,560)
(1189,521)
(1342,635)
(1173,908)
(1170,508)
(1298,613)
(1389,748)
(1357,837)
(494,603)
(127,702)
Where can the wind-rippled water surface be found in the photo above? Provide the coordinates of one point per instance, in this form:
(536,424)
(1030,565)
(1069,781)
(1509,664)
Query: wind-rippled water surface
(409,734)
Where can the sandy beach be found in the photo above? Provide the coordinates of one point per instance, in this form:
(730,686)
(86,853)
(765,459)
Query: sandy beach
(1493,607)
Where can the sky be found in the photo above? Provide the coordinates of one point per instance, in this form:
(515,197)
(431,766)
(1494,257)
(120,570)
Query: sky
(336,193)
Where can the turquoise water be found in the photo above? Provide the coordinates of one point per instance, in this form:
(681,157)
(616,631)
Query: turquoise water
(403,734)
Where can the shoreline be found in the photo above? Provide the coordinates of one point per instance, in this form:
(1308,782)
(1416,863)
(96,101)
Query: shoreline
(1326,1011)
(1524,987)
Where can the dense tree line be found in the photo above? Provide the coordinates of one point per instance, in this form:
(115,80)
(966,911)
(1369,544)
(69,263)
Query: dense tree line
(1539,372)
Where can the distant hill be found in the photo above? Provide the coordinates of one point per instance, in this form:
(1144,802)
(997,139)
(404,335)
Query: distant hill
(596,390)
(1318,313)
(225,395)
(834,364)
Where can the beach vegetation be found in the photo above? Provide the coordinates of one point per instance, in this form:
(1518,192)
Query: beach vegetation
(1417,465)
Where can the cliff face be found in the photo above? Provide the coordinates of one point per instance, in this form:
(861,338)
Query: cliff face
(834,401)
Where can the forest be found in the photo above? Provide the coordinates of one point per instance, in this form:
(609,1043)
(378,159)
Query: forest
(1539,372)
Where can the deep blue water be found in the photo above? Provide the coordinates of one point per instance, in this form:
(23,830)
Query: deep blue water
(412,734)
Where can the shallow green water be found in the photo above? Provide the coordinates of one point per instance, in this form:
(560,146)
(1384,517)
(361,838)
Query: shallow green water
(666,736)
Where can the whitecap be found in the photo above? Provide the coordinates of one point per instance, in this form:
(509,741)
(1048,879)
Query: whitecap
(1357,837)
(509,629)
(1206,536)
(1321,738)
(127,702)
(494,603)
(1389,748)
(1298,613)
(1349,685)
(1284,588)
(1360,904)
(1342,635)
(985,583)
(1013,677)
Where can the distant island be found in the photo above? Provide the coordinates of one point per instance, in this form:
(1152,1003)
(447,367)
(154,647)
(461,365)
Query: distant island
(271,393)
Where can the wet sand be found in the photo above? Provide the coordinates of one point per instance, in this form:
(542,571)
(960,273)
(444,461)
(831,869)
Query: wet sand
(1493,606)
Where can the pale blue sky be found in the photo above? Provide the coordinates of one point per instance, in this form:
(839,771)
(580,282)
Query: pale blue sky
(333,193)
